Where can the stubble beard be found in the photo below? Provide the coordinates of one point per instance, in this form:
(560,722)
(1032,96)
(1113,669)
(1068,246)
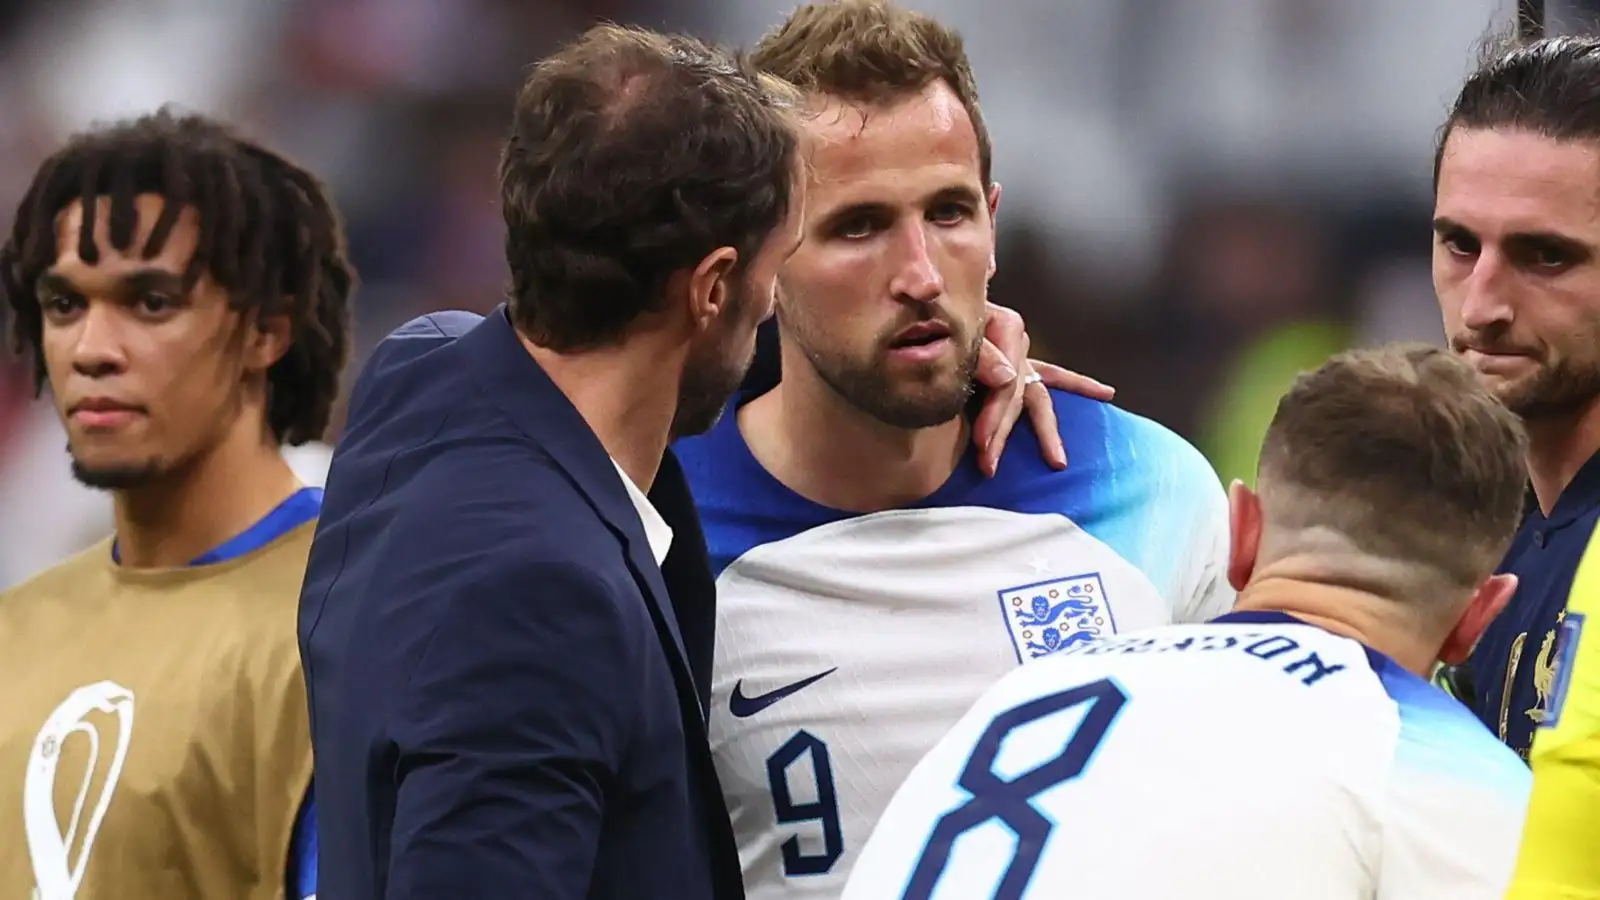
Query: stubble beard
(898,400)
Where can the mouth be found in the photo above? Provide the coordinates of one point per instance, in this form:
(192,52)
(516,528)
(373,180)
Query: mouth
(922,334)
(1491,350)
(1493,360)
(921,344)
(101,414)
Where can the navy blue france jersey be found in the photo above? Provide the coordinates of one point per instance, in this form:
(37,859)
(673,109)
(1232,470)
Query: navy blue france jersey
(1513,666)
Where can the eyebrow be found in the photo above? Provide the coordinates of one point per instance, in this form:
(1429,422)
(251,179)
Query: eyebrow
(959,193)
(149,278)
(1443,225)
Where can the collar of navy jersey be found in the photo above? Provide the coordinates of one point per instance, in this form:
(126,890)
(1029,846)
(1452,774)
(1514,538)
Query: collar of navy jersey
(1581,496)
(1257,617)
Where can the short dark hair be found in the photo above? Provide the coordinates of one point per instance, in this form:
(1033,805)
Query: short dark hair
(1403,452)
(873,52)
(269,236)
(1549,86)
(632,156)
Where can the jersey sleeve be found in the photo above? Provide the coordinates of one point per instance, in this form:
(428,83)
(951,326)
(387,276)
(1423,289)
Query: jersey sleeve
(1209,594)
(1558,859)
(1180,535)
(1454,803)
(1195,496)
(303,854)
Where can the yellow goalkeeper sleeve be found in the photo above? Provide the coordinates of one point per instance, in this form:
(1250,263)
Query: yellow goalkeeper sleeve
(1560,856)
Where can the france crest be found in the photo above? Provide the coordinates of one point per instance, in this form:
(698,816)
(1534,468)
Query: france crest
(1045,616)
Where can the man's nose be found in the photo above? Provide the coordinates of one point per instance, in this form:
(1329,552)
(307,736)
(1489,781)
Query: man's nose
(917,277)
(1488,291)
(98,349)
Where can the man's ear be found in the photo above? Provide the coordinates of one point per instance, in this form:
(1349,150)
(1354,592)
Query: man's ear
(994,226)
(268,341)
(709,289)
(1244,533)
(1487,601)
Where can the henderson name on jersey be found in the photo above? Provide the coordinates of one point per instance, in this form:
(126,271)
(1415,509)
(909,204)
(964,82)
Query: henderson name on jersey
(1256,758)
(847,644)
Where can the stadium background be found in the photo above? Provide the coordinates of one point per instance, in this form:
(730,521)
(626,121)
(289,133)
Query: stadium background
(1201,196)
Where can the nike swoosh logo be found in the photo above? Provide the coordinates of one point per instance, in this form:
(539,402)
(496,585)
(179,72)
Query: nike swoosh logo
(744,707)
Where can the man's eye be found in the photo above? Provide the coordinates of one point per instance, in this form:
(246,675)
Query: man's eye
(1548,258)
(155,302)
(1460,245)
(855,229)
(58,304)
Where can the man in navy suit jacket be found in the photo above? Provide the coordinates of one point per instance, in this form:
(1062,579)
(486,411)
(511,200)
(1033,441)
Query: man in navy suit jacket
(507,696)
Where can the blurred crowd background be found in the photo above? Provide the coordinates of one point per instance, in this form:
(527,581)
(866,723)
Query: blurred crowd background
(1201,197)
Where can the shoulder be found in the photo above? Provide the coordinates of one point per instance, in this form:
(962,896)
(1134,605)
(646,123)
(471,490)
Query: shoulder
(473,597)
(404,363)
(488,500)
(415,339)
(254,598)
(406,468)
(1103,438)
(67,578)
(421,335)
(1131,442)
(1454,800)
(260,588)
(1117,461)
(1440,739)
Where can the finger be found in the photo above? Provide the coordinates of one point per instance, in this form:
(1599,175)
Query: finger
(983,429)
(1010,410)
(994,370)
(1005,329)
(987,423)
(1042,413)
(1068,380)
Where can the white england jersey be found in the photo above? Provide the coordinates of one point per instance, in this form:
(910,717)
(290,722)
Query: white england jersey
(848,644)
(1257,758)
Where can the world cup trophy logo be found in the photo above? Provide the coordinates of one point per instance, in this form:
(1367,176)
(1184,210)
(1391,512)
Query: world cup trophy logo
(58,870)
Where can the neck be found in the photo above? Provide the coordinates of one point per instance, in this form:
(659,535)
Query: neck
(1377,621)
(1558,447)
(170,523)
(822,448)
(624,394)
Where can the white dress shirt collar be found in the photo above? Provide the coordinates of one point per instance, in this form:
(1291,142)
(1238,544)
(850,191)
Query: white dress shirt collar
(656,529)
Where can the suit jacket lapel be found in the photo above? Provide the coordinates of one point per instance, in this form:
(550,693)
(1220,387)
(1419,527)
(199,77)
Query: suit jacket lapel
(687,572)
(517,384)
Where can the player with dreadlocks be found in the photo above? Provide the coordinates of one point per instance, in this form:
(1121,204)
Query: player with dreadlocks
(184,294)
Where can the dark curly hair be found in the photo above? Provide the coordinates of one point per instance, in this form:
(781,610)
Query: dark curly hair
(632,156)
(269,236)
